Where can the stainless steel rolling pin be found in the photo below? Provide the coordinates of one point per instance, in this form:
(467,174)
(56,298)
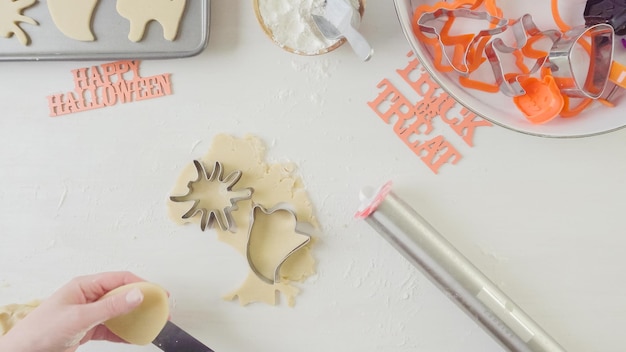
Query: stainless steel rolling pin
(459,279)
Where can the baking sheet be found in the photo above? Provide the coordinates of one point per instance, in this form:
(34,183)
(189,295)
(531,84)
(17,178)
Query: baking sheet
(111,32)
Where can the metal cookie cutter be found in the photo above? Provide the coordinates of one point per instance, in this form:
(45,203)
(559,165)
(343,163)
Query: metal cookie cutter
(214,211)
(583,82)
(522,29)
(264,270)
(501,25)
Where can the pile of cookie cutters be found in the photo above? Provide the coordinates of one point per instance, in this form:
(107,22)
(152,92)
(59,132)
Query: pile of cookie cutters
(547,69)
(216,210)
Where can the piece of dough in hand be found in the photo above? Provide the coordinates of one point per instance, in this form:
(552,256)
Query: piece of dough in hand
(142,325)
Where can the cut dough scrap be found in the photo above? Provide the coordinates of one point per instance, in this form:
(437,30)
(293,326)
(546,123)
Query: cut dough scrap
(141,12)
(13,313)
(73,17)
(142,325)
(273,184)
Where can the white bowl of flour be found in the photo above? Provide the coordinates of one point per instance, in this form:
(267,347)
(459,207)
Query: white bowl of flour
(289,24)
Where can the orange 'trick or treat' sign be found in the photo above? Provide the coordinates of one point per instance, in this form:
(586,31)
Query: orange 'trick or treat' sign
(413,121)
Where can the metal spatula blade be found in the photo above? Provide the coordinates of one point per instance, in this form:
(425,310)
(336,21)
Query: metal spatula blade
(327,29)
(338,20)
(174,339)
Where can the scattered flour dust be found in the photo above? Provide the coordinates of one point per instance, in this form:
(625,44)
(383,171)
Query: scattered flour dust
(273,184)
(291,24)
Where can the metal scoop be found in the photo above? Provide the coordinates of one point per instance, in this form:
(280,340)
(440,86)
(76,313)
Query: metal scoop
(339,19)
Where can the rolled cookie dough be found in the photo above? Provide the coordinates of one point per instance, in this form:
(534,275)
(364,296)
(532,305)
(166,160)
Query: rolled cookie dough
(13,313)
(273,184)
(142,325)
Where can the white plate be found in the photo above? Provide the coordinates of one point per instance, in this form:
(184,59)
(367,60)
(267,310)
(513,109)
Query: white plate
(500,109)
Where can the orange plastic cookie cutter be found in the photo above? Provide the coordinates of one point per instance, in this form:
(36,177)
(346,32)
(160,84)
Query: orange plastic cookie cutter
(569,111)
(554,6)
(431,41)
(490,7)
(542,101)
(618,78)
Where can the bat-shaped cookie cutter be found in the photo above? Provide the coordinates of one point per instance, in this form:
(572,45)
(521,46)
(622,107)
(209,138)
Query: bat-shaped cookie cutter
(600,50)
(302,228)
(222,216)
(523,30)
(425,18)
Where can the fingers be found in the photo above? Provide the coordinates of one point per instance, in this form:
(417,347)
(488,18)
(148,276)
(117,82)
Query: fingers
(95,286)
(113,306)
(102,333)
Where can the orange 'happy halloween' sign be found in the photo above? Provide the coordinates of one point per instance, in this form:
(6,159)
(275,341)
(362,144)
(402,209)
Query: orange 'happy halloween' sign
(107,85)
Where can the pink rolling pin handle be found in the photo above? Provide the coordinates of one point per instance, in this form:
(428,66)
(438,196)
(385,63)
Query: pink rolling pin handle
(369,202)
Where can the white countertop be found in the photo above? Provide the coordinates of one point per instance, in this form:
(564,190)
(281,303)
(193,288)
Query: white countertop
(82,193)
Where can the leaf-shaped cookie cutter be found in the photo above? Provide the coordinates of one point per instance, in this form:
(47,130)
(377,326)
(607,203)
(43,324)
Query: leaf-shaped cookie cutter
(523,30)
(222,217)
(303,228)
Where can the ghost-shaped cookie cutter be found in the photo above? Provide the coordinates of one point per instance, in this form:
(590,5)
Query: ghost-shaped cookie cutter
(222,217)
(304,229)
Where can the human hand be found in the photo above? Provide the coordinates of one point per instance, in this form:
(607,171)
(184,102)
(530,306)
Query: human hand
(74,315)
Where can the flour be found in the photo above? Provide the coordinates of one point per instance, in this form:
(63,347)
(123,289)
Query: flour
(292,26)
